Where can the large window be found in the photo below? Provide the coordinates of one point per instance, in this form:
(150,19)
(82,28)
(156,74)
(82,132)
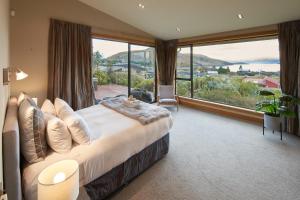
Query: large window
(231,73)
(120,68)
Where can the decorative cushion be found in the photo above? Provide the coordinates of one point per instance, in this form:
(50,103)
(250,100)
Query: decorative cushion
(76,124)
(48,107)
(167,101)
(58,135)
(23,96)
(166,92)
(32,132)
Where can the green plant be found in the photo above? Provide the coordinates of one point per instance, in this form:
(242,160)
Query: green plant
(273,106)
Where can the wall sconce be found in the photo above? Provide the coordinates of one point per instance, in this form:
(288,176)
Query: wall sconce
(7,72)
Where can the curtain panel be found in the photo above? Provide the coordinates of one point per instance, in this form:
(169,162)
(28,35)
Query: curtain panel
(166,55)
(69,64)
(289,45)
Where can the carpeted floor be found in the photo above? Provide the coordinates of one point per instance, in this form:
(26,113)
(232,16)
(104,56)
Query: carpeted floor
(217,158)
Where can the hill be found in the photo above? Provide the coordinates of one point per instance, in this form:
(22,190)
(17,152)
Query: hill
(200,60)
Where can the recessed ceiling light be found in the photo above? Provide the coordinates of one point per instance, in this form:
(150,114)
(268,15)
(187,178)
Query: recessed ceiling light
(178,29)
(141,5)
(240,16)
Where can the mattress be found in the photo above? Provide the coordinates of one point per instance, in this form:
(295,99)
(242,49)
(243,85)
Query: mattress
(115,138)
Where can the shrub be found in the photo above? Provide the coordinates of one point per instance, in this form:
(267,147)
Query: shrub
(102,77)
(147,84)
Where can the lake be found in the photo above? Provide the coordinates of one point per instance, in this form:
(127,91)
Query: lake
(255,67)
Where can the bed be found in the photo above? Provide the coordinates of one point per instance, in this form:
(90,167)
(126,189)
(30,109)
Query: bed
(120,150)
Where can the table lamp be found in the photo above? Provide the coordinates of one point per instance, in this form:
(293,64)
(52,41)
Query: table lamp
(59,181)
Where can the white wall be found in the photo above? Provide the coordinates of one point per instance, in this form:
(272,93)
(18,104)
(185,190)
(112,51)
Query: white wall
(4,62)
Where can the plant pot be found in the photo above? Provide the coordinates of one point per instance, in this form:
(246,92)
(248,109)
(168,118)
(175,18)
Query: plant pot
(272,122)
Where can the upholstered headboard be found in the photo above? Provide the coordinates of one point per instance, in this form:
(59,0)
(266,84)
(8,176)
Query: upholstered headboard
(11,152)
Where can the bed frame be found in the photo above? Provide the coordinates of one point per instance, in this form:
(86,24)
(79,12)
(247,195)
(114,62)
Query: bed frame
(100,188)
(121,175)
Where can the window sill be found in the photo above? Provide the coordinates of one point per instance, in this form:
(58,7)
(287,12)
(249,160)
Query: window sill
(226,110)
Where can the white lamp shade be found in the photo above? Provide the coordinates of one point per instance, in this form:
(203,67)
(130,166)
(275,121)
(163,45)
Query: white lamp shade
(59,181)
(20,75)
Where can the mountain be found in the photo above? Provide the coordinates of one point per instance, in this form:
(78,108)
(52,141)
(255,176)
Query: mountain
(138,56)
(200,60)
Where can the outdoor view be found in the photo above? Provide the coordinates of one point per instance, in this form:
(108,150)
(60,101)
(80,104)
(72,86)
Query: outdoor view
(229,73)
(111,70)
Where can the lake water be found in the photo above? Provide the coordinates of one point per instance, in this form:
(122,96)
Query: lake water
(255,67)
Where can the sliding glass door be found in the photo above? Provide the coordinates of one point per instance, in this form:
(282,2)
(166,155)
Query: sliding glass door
(142,72)
(110,68)
(121,68)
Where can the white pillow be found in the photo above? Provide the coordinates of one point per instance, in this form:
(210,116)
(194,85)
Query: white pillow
(76,124)
(48,107)
(58,135)
(62,108)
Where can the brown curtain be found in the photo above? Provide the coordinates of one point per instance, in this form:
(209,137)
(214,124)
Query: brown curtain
(289,44)
(166,54)
(69,64)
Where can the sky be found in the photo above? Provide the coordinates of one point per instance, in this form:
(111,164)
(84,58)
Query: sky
(232,52)
(109,48)
(241,51)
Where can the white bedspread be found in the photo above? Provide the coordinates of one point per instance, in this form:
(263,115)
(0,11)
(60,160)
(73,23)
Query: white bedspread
(115,138)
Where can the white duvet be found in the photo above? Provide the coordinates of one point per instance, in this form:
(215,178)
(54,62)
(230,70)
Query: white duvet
(115,138)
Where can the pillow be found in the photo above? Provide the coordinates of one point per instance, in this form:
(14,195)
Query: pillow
(23,96)
(76,124)
(58,135)
(62,108)
(32,132)
(48,107)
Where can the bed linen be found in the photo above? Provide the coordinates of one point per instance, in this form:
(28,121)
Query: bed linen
(115,138)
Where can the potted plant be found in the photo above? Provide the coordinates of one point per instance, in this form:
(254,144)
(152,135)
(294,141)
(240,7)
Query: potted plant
(276,108)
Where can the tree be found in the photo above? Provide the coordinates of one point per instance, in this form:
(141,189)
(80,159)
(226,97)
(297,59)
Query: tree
(241,68)
(222,70)
(98,59)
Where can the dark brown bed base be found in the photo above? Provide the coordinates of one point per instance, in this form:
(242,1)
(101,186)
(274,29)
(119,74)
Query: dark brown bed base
(121,175)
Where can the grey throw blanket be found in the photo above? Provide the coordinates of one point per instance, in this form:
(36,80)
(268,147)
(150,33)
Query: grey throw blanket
(145,113)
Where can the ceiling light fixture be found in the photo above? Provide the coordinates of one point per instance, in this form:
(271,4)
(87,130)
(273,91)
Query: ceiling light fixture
(178,29)
(141,5)
(240,16)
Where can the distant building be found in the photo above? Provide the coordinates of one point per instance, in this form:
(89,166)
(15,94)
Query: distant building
(266,82)
(212,73)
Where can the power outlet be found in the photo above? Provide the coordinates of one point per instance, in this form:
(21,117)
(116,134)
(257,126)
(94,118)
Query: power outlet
(3,197)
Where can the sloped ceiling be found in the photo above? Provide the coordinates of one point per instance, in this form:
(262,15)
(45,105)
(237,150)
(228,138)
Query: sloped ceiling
(160,18)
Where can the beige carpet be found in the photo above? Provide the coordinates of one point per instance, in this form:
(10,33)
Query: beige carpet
(216,158)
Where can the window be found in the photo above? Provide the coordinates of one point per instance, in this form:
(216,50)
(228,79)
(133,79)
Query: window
(120,68)
(183,72)
(233,73)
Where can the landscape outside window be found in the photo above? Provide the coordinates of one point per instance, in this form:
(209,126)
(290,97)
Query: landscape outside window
(111,70)
(231,73)
(142,63)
